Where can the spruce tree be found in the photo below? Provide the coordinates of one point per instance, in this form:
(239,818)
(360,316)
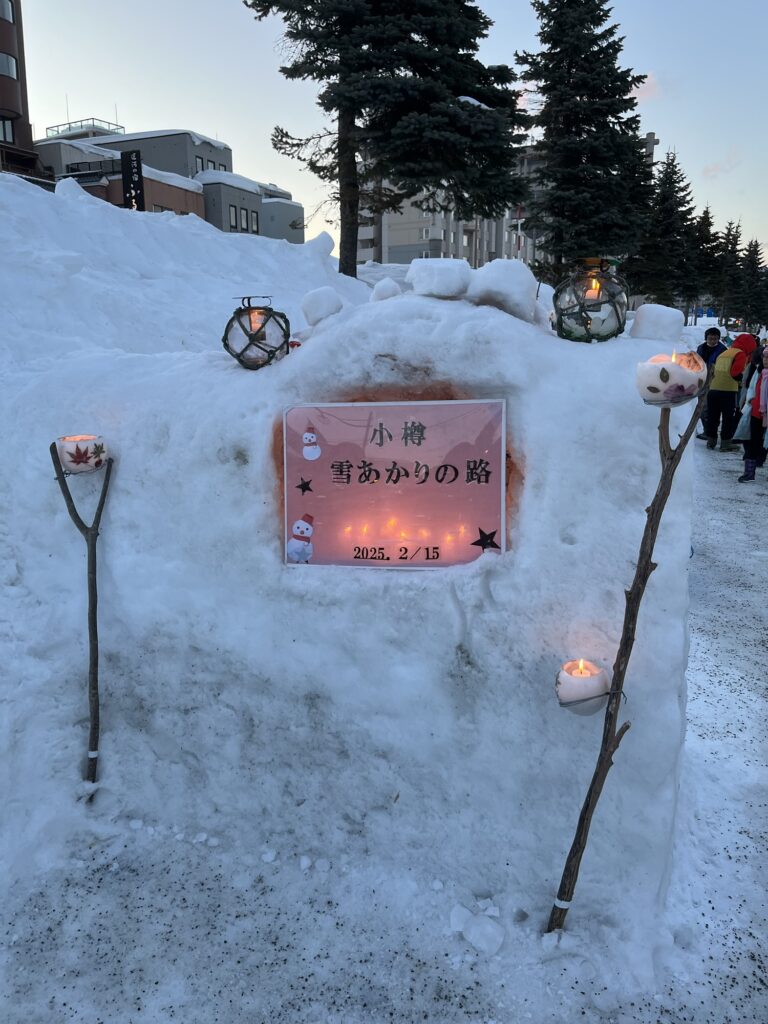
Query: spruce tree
(592,187)
(751,286)
(414,112)
(663,268)
(728,272)
(704,254)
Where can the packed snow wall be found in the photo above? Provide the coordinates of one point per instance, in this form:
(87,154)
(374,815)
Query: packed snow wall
(403,720)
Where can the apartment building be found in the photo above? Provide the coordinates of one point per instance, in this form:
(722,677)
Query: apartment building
(17,154)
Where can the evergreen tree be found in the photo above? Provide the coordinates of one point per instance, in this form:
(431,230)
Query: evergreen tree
(704,254)
(663,268)
(728,272)
(416,113)
(751,286)
(592,187)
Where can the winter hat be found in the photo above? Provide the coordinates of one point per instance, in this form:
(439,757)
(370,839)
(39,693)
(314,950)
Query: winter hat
(308,518)
(745,342)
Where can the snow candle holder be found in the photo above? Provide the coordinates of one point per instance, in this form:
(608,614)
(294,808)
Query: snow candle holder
(81,453)
(665,381)
(582,687)
(591,303)
(257,335)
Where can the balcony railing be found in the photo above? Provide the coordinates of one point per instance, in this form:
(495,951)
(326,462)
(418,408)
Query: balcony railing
(82,126)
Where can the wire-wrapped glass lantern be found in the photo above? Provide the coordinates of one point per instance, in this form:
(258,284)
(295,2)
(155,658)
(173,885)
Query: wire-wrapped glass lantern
(257,335)
(591,303)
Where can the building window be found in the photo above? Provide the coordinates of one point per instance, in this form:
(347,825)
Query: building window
(233,218)
(6,131)
(222,167)
(161,209)
(425,254)
(8,65)
(243,219)
(254,222)
(6,10)
(199,165)
(211,165)
(423,233)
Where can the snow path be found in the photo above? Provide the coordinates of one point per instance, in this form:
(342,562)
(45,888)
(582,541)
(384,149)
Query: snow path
(721,849)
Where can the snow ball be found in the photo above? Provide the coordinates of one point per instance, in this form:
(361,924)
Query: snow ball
(506,284)
(659,322)
(444,279)
(484,934)
(200,837)
(386,288)
(213,841)
(460,917)
(322,244)
(437,885)
(268,856)
(136,824)
(179,836)
(323,865)
(320,303)
(305,863)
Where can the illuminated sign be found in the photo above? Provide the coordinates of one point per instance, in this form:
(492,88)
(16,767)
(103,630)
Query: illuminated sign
(413,485)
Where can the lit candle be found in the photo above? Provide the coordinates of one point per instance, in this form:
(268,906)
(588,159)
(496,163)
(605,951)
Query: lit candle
(593,292)
(666,381)
(81,453)
(582,687)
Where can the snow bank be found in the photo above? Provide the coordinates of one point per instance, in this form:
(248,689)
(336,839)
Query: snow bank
(444,279)
(660,322)
(506,284)
(292,757)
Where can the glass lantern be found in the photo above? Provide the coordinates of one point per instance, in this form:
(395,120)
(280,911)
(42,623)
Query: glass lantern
(257,335)
(591,303)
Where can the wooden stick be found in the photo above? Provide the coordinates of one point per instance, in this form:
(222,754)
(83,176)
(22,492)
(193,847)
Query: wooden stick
(91,534)
(670,459)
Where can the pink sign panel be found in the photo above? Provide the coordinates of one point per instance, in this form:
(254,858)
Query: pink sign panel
(408,485)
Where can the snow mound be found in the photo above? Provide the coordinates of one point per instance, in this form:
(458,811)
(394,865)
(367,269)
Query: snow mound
(662,323)
(506,284)
(442,279)
(320,303)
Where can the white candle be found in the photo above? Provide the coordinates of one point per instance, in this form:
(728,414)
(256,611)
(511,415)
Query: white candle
(582,687)
(81,453)
(666,381)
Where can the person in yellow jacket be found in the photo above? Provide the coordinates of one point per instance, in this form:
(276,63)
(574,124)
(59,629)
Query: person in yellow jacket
(722,411)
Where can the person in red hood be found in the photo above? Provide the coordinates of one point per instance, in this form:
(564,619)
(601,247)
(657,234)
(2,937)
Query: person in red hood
(724,392)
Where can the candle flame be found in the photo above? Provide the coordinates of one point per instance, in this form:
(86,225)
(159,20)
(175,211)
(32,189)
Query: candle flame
(674,356)
(581,664)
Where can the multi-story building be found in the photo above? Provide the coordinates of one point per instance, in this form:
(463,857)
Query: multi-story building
(183,171)
(411,233)
(16,152)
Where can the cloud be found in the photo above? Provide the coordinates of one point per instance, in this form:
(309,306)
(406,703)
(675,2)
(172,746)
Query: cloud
(649,90)
(730,163)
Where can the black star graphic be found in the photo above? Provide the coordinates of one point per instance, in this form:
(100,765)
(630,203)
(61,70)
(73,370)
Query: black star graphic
(304,485)
(485,540)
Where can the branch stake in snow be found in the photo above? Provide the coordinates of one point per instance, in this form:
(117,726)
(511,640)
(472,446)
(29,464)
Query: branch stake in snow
(612,737)
(82,453)
(591,303)
(257,335)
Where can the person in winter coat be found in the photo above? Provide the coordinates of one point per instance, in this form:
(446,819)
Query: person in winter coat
(724,392)
(712,346)
(754,448)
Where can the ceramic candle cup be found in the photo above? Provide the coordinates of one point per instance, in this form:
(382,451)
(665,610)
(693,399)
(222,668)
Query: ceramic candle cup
(666,381)
(81,453)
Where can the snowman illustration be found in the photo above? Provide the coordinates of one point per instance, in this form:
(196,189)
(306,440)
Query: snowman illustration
(299,547)
(312,449)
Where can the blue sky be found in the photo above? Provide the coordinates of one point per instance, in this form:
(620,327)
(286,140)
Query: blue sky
(207,65)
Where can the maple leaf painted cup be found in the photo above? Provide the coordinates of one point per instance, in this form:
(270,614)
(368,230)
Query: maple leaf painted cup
(82,453)
(666,381)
